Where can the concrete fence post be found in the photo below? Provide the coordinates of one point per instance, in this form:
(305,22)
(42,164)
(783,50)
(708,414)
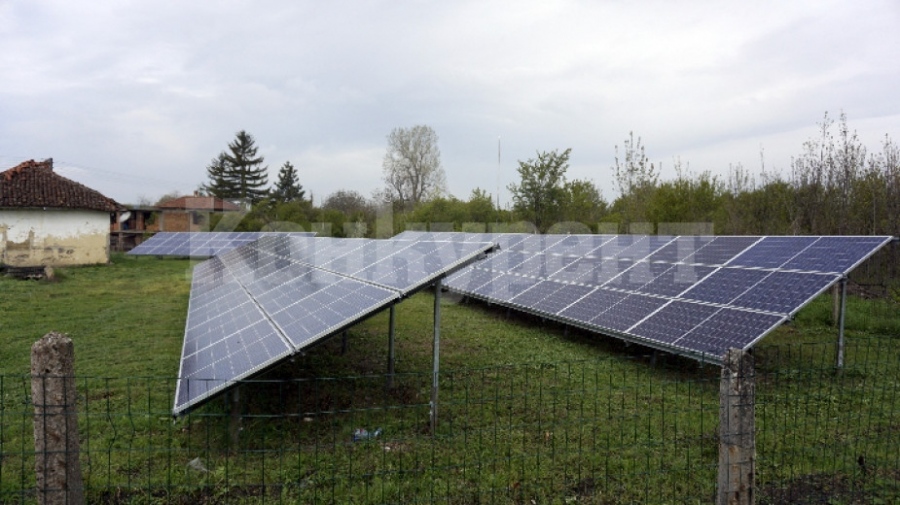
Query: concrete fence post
(55,421)
(737,431)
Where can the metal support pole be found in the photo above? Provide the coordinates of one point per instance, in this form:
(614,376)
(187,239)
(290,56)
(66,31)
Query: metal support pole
(436,357)
(235,420)
(390,379)
(840,346)
(344,343)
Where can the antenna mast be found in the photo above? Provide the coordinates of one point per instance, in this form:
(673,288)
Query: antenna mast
(498,173)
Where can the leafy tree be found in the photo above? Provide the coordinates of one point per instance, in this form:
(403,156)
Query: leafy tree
(583,202)
(687,199)
(412,166)
(540,195)
(287,188)
(481,207)
(349,202)
(238,172)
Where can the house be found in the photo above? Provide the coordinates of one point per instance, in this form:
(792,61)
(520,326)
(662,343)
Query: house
(191,213)
(185,213)
(49,220)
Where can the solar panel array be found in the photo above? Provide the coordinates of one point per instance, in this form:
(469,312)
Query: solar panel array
(201,244)
(692,295)
(258,304)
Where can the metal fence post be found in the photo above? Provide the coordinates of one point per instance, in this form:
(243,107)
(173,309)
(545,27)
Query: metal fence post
(55,421)
(737,431)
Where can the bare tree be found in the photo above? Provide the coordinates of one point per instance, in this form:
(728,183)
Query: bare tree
(412,166)
(637,178)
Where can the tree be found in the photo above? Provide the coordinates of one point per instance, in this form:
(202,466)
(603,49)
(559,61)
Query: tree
(412,166)
(540,195)
(583,202)
(220,182)
(287,188)
(349,202)
(238,172)
(636,178)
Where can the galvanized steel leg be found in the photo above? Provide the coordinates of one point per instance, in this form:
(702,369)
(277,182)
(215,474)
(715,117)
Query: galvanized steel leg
(436,356)
(841,317)
(390,379)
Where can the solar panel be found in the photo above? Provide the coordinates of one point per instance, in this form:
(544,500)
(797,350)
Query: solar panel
(201,244)
(692,295)
(253,306)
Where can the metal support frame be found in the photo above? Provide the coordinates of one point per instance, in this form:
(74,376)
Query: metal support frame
(344,343)
(390,377)
(436,355)
(841,318)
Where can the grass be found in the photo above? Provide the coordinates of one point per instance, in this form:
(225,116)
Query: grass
(528,410)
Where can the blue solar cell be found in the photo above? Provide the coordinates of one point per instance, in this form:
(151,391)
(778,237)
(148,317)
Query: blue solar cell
(784,292)
(638,275)
(220,338)
(672,321)
(578,245)
(834,254)
(534,244)
(539,265)
(593,304)
(725,285)
(619,243)
(573,268)
(563,298)
(504,287)
(720,250)
(326,310)
(627,312)
(771,252)
(533,296)
(607,273)
(679,249)
(200,244)
(468,279)
(728,328)
(676,279)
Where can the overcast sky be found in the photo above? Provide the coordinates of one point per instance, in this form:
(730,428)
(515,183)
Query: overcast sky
(134,98)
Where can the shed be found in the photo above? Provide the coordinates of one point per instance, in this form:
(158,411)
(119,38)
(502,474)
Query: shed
(49,220)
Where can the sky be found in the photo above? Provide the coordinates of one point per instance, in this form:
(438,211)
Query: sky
(134,98)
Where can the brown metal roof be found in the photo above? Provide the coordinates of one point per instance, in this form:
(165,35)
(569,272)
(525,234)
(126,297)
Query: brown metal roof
(198,203)
(34,184)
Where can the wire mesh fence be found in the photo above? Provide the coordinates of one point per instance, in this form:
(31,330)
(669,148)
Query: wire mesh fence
(598,431)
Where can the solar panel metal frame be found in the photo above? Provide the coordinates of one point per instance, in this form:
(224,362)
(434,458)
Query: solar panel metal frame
(776,318)
(396,294)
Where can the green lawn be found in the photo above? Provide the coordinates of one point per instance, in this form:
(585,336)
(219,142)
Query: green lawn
(527,411)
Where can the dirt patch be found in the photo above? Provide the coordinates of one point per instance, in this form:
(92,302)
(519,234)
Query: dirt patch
(819,489)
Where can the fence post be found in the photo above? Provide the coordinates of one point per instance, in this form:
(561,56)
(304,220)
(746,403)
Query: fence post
(55,421)
(737,431)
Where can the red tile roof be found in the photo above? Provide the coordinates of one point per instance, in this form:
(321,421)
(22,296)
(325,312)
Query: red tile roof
(199,203)
(34,184)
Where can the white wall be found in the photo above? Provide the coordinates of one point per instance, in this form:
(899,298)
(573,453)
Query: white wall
(53,237)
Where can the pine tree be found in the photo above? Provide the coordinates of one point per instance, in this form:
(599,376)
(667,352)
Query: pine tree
(220,183)
(288,188)
(238,172)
